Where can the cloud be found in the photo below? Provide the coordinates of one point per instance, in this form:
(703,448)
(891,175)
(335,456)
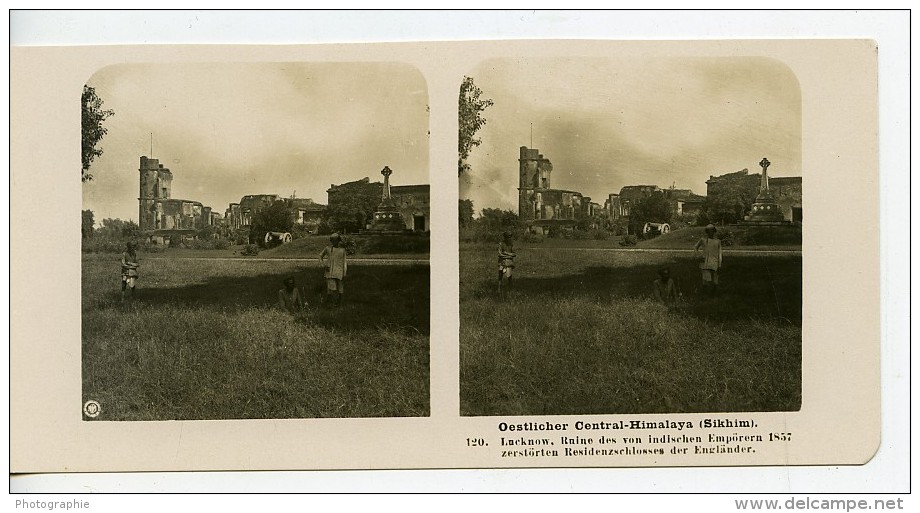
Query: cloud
(227,130)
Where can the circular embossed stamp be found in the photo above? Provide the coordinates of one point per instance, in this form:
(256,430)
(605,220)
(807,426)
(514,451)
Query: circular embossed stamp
(92,409)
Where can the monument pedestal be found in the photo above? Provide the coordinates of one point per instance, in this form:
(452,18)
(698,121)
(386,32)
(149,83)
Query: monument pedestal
(387,220)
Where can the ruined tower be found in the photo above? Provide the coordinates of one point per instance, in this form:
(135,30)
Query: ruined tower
(155,184)
(534,175)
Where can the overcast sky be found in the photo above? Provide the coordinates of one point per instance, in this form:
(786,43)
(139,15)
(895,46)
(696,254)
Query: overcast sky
(228,130)
(607,122)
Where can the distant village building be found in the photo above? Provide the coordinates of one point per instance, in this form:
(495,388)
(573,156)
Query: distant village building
(159,214)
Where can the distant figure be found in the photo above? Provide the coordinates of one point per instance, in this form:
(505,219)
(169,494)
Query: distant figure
(711,259)
(336,269)
(129,267)
(665,289)
(506,256)
(289,297)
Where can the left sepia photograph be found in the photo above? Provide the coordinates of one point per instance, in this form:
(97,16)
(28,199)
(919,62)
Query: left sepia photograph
(255,241)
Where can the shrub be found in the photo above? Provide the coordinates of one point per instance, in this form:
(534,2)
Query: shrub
(530,238)
(351,246)
(153,248)
(240,236)
(629,240)
(99,245)
(250,249)
(728,238)
(299,231)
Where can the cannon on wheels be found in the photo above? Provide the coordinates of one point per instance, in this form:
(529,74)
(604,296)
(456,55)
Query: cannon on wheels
(277,238)
(656,228)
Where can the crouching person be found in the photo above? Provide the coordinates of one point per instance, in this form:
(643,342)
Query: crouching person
(665,288)
(289,297)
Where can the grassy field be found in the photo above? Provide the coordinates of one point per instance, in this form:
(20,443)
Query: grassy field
(204,341)
(747,237)
(580,334)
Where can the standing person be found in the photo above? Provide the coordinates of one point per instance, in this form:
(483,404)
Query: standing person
(129,265)
(711,259)
(506,256)
(665,289)
(336,269)
(289,297)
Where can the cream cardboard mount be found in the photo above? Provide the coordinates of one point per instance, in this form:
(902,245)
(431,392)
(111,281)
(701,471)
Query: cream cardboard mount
(832,145)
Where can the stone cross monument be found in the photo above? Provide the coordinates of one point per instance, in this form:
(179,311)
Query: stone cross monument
(764,210)
(387,217)
(764,179)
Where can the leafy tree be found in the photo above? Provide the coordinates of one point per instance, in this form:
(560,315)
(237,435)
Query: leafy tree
(498,220)
(650,209)
(465,212)
(118,229)
(352,205)
(92,117)
(729,205)
(207,232)
(470,121)
(86,226)
(276,217)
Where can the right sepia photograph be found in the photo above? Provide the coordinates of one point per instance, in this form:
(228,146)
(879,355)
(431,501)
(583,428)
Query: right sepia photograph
(630,236)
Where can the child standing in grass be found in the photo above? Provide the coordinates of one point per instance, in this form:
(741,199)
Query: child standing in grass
(129,267)
(711,259)
(289,297)
(506,256)
(336,269)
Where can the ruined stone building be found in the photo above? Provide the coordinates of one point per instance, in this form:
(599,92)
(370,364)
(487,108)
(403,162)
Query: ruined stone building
(541,206)
(251,204)
(306,212)
(786,190)
(303,210)
(159,214)
(233,218)
(683,201)
(618,205)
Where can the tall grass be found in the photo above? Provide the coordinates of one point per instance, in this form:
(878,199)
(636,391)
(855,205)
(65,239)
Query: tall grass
(204,341)
(580,334)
